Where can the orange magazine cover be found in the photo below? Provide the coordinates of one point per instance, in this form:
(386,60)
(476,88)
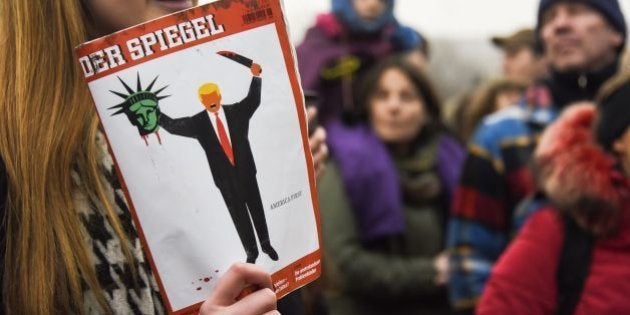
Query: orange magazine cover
(204,115)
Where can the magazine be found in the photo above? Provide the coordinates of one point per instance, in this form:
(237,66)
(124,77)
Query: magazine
(204,116)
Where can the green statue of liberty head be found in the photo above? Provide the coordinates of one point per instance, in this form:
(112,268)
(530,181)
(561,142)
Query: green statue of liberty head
(140,106)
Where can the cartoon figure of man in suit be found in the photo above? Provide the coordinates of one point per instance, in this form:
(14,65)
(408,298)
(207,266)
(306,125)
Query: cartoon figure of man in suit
(222,132)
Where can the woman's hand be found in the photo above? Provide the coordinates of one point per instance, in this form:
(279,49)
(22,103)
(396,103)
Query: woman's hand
(224,299)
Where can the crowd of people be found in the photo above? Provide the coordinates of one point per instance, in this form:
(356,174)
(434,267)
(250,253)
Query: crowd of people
(516,201)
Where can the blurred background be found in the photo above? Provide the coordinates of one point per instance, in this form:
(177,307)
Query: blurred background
(459,31)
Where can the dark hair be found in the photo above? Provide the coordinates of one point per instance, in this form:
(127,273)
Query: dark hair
(419,80)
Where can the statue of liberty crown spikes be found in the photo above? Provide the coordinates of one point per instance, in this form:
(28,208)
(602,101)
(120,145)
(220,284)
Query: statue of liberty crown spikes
(141,107)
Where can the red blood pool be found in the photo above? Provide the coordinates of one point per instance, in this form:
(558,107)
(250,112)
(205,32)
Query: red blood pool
(206,279)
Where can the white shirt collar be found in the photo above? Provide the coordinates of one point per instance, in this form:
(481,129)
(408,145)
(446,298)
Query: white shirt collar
(213,120)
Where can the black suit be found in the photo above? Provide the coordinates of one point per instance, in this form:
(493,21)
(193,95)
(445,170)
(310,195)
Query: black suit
(237,183)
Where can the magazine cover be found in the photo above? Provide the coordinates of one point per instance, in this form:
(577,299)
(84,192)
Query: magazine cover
(204,116)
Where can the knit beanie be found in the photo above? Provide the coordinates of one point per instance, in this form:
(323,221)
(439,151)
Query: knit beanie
(614,116)
(344,9)
(608,8)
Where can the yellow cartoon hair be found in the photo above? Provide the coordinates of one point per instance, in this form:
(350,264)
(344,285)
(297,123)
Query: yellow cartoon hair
(209,88)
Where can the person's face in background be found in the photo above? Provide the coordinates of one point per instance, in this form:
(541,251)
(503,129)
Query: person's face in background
(523,65)
(578,38)
(396,109)
(369,10)
(107,16)
(621,147)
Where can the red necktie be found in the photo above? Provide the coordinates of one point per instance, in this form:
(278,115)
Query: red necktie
(223,138)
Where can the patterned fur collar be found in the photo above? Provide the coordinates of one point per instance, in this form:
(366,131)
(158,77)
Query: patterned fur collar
(577,175)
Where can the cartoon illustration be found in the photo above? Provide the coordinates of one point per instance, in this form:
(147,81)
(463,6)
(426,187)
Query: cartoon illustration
(141,107)
(222,132)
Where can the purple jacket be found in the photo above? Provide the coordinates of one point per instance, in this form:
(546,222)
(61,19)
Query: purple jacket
(331,62)
(371,179)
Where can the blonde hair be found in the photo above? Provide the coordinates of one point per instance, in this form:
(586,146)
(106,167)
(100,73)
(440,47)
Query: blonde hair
(208,88)
(48,128)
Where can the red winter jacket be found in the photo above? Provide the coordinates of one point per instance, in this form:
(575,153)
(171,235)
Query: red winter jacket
(573,169)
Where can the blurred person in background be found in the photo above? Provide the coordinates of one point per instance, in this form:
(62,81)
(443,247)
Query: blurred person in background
(522,60)
(382,260)
(335,54)
(489,98)
(582,41)
(343,45)
(67,241)
(572,256)
(523,64)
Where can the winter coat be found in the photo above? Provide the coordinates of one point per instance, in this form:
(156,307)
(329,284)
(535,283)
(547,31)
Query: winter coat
(578,178)
(394,274)
(496,177)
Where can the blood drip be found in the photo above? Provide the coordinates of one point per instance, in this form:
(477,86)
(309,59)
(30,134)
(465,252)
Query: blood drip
(157,133)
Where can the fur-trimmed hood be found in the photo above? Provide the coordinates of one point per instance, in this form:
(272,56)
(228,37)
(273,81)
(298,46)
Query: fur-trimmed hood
(577,175)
